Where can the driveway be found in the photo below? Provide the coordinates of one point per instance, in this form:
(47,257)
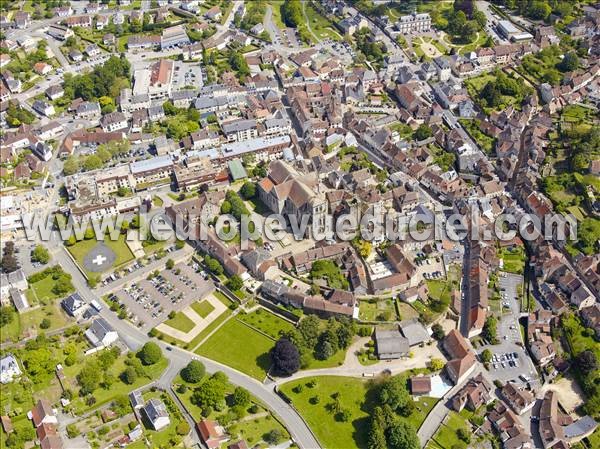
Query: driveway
(353,368)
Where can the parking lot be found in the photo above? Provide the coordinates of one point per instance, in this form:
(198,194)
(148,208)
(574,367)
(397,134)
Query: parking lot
(149,301)
(429,266)
(510,360)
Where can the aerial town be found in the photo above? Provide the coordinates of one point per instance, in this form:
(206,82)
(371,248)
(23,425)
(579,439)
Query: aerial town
(170,172)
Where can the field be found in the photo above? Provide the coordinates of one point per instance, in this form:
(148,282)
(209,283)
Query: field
(446,435)
(266,322)
(180,322)
(319,24)
(574,115)
(422,408)
(241,347)
(41,291)
(202,308)
(382,310)
(514,260)
(330,432)
(485,142)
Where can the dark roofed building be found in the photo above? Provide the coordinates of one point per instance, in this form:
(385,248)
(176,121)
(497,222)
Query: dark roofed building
(391,344)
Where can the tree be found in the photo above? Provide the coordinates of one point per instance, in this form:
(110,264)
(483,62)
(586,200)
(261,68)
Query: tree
(587,362)
(489,331)
(7,315)
(309,328)
(9,261)
(436,364)
(72,430)
(463,434)
(129,376)
(92,162)
(491,94)
(235,282)
(273,436)
(210,393)
(569,63)
(423,132)
(213,265)
(225,207)
(150,353)
(248,190)
(377,432)
(40,254)
(45,324)
(285,357)
(71,165)
(170,264)
(539,10)
(241,397)
(182,428)
(324,350)
(63,285)
(89,377)
(438,331)
(393,392)
(193,372)
(403,436)
(486,356)
(89,234)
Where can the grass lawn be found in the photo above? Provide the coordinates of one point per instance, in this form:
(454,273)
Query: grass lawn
(336,359)
(202,308)
(330,432)
(80,249)
(485,142)
(41,291)
(266,322)
(181,322)
(206,331)
(253,430)
(157,201)
(422,408)
(577,212)
(30,321)
(446,435)
(406,311)
(382,310)
(320,25)
(514,260)
(12,330)
(237,345)
(438,289)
